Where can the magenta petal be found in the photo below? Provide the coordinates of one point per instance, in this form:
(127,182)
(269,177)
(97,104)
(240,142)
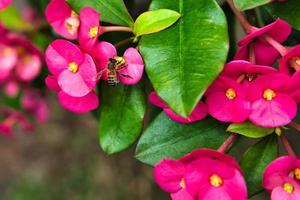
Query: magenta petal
(264,53)
(181,195)
(236,187)
(79,104)
(51,83)
(277,112)
(60,53)
(5,3)
(8,60)
(156,100)
(279,194)
(284,65)
(57,12)
(12,88)
(29,67)
(212,193)
(168,174)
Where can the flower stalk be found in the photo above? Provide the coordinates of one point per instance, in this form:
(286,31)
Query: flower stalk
(227,143)
(287,145)
(116,28)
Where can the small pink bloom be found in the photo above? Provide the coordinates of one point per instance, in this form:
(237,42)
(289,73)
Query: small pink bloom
(8,60)
(281,178)
(12,88)
(90,29)
(226,101)
(5,3)
(203,174)
(75,104)
(263,52)
(200,111)
(63,19)
(75,71)
(271,105)
(28,67)
(129,68)
(291,61)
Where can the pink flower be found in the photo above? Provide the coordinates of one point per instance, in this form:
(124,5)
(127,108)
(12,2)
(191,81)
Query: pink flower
(271,104)
(203,174)
(28,67)
(75,104)
(264,53)
(75,71)
(281,178)
(90,29)
(227,101)
(200,111)
(8,60)
(291,61)
(5,3)
(32,102)
(63,19)
(129,68)
(12,88)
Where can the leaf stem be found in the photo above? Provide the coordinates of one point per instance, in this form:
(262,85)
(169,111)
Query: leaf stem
(227,143)
(116,28)
(240,16)
(279,47)
(287,145)
(123,42)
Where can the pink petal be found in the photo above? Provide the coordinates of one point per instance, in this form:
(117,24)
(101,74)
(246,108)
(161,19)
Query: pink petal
(89,18)
(277,112)
(29,67)
(60,53)
(8,60)
(264,53)
(284,65)
(5,3)
(181,195)
(57,12)
(51,83)
(168,175)
(12,88)
(279,194)
(79,104)
(134,67)
(156,100)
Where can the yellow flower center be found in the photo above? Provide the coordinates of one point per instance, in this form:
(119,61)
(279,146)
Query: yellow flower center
(269,94)
(182,183)
(230,93)
(73,67)
(297,173)
(93,32)
(72,23)
(216,180)
(288,187)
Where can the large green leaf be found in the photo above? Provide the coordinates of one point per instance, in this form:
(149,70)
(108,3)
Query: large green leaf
(255,161)
(249,130)
(288,11)
(167,139)
(122,112)
(183,60)
(112,11)
(249,4)
(154,21)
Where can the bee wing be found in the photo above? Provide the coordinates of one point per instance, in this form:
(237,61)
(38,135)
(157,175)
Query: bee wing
(99,75)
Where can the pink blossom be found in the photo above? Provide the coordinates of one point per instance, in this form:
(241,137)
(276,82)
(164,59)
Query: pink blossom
(28,67)
(271,104)
(131,65)
(90,29)
(200,111)
(5,3)
(264,53)
(75,71)
(281,178)
(227,101)
(12,88)
(291,61)
(63,19)
(75,104)
(8,60)
(203,174)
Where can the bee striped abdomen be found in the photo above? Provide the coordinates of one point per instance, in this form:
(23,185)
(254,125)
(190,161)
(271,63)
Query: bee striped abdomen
(112,78)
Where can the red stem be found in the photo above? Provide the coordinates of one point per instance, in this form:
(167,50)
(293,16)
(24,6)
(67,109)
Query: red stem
(252,55)
(116,28)
(295,126)
(279,47)
(227,143)
(287,145)
(242,19)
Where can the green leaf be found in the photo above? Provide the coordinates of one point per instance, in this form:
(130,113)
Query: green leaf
(165,138)
(249,4)
(249,130)
(256,159)
(287,11)
(11,19)
(183,60)
(122,112)
(112,11)
(154,21)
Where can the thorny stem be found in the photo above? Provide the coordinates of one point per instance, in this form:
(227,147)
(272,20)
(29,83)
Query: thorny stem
(116,28)
(242,19)
(295,126)
(287,145)
(227,143)
(279,47)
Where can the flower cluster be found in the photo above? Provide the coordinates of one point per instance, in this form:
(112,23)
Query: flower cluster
(202,174)
(76,70)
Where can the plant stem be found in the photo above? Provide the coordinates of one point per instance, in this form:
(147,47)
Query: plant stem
(279,47)
(123,42)
(242,19)
(116,28)
(287,145)
(252,54)
(295,126)
(227,143)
